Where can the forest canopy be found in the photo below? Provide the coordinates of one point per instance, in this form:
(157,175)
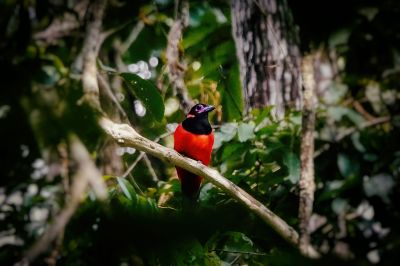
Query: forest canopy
(305,162)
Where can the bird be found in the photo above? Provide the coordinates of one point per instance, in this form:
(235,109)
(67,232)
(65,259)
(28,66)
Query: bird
(194,138)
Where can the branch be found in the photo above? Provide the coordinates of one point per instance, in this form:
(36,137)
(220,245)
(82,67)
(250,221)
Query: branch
(127,136)
(87,173)
(370,123)
(64,25)
(136,30)
(307,184)
(173,54)
(351,130)
(90,49)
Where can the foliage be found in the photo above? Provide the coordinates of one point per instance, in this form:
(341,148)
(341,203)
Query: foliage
(356,210)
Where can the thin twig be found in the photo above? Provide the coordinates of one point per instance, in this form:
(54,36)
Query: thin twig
(135,184)
(358,106)
(142,154)
(241,252)
(136,30)
(104,84)
(351,130)
(150,168)
(133,165)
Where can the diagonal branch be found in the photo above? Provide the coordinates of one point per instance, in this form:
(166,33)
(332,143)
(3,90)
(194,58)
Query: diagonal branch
(86,174)
(127,136)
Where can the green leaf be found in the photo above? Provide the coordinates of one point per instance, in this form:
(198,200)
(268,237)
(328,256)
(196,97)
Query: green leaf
(233,149)
(147,93)
(344,164)
(196,35)
(268,130)
(126,188)
(238,242)
(232,98)
(347,166)
(337,113)
(380,185)
(226,133)
(339,205)
(292,162)
(355,137)
(246,131)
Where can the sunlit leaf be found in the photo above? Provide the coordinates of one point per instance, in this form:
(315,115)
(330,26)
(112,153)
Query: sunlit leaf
(246,131)
(226,133)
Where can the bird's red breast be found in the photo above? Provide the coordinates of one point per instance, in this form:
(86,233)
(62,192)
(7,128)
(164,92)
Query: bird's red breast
(197,147)
(194,138)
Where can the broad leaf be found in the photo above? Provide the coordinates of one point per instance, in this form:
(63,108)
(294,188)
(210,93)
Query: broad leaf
(292,162)
(147,93)
(126,188)
(246,131)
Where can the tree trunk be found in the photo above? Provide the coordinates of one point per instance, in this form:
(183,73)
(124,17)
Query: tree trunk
(268,53)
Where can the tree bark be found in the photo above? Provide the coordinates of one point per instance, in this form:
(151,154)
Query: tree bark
(268,53)
(174,55)
(307,184)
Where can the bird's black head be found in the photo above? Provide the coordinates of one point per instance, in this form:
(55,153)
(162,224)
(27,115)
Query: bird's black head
(200,110)
(196,120)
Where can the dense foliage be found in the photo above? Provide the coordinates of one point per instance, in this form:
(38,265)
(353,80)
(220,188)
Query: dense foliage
(145,219)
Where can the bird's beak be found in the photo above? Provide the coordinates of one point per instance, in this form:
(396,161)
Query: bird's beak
(208,108)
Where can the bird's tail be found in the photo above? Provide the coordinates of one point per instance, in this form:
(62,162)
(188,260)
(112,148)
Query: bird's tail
(190,183)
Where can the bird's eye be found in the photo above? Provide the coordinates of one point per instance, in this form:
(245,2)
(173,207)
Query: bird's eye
(198,107)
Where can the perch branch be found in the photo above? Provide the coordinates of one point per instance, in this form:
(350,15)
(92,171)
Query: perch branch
(127,136)
(307,184)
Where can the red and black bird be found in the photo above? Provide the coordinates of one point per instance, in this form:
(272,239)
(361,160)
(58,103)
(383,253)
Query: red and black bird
(194,138)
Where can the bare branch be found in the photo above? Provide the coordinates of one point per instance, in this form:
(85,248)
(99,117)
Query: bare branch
(64,25)
(136,30)
(307,184)
(127,172)
(90,50)
(87,173)
(127,136)
(173,54)
(150,168)
(81,155)
(104,86)
(142,154)
(351,130)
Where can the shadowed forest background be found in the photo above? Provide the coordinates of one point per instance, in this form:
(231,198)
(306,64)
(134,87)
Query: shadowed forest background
(70,194)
